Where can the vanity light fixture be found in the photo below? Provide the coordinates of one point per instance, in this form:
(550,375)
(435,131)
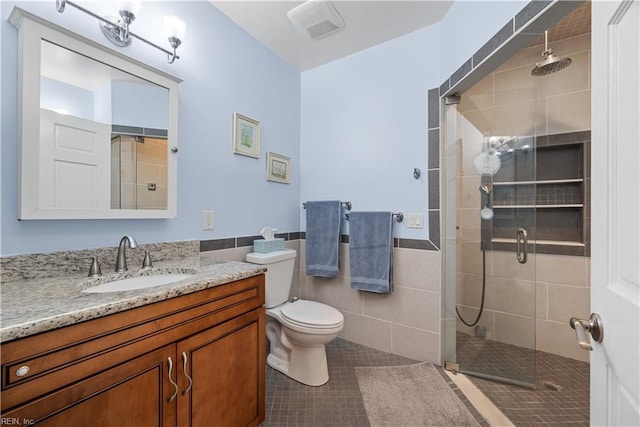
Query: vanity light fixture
(117,31)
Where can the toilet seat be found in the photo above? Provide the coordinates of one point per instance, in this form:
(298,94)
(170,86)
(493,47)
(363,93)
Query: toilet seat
(311,314)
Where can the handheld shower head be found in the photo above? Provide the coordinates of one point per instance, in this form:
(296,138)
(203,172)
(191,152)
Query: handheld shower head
(486,213)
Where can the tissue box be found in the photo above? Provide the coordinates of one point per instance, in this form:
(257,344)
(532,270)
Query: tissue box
(265,246)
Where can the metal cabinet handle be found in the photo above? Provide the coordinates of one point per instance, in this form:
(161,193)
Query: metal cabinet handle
(173,383)
(184,369)
(521,245)
(592,326)
(22,371)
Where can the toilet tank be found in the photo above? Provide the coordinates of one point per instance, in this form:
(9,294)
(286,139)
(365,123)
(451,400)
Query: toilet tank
(279,274)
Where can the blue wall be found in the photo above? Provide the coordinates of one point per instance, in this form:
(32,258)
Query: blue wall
(55,95)
(139,104)
(355,127)
(468,25)
(364,117)
(364,127)
(224,70)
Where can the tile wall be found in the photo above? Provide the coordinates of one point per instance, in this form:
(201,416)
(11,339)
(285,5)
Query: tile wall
(406,323)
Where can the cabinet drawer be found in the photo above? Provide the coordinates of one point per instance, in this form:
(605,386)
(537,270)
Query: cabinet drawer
(137,389)
(36,365)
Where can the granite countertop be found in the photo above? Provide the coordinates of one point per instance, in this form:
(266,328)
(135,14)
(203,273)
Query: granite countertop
(38,305)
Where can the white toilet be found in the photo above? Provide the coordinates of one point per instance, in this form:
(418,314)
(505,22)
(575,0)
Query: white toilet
(297,331)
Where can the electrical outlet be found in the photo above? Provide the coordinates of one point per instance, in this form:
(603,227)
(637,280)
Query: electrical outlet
(207,220)
(414,220)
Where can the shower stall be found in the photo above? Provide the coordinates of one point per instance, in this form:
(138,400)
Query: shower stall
(515,177)
(490,230)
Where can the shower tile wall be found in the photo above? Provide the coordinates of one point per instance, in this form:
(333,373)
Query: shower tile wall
(511,102)
(133,166)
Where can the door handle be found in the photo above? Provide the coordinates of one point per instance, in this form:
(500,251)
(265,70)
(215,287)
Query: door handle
(173,383)
(592,326)
(521,245)
(184,369)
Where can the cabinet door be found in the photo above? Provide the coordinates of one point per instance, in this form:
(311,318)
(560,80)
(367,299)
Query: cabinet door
(226,364)
(135,393)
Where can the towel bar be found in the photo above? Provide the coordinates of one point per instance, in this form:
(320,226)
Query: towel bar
(399,216)
(346,205)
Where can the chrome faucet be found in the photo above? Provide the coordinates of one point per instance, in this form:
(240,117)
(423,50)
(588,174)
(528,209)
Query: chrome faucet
(121,260)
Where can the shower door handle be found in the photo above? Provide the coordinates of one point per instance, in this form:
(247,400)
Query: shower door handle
(521,245)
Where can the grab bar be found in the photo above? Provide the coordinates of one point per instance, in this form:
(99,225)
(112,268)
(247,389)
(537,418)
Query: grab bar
(521,245)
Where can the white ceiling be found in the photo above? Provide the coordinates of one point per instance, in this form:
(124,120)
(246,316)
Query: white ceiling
(367,23)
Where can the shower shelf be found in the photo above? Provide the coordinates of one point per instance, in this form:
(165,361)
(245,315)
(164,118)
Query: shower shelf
(550,194)
(540,242)
(548,181)
(537,206)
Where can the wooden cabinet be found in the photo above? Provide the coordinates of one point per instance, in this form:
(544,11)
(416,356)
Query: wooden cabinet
(195,360)
(224,364)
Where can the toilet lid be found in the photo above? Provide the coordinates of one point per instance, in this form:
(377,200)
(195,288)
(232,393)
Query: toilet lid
(312,313)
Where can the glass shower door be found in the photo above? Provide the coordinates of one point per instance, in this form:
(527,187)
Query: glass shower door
(490,212)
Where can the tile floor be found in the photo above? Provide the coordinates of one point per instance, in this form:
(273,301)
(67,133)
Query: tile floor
(337,403)
(561,394)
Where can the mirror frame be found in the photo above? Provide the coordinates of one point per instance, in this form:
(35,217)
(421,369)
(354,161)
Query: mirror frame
(31,30)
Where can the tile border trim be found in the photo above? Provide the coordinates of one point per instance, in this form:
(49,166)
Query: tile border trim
(245,241)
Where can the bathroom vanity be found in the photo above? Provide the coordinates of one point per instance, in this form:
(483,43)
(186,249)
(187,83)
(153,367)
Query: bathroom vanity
(192,353)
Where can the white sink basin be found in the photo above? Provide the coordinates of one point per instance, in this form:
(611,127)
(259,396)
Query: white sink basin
(138,282)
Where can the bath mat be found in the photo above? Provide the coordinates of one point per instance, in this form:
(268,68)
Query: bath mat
(410,395)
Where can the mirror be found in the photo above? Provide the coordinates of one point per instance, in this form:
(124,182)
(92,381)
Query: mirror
(79,94)
(98,130)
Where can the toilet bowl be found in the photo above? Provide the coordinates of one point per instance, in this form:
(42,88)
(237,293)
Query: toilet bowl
(297,331)
(298,340)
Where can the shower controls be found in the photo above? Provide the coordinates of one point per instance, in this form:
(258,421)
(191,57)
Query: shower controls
(592,326)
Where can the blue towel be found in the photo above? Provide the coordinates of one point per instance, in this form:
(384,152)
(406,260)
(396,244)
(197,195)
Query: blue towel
(370,251)
(323,238)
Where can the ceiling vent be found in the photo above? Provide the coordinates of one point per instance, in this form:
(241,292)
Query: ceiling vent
(316,18)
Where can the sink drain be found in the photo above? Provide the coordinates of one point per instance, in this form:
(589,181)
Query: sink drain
(551,386)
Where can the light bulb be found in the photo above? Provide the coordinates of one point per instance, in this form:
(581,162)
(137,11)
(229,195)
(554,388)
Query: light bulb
(174,27)
(131,6)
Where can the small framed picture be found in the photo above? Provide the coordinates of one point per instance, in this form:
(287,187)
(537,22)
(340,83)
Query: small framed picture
(246,136)
(278,168)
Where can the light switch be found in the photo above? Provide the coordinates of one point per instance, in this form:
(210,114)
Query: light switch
(207,220)
(414,220)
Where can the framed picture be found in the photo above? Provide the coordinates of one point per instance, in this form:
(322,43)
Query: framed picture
(278,168)
(246,136)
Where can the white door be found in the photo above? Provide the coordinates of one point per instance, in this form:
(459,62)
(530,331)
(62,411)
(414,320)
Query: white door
(74,162)
(615,257)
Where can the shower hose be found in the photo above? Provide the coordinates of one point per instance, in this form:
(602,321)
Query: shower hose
(484,282)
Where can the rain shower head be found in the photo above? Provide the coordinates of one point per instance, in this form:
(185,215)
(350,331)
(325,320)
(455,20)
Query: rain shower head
(551,63)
